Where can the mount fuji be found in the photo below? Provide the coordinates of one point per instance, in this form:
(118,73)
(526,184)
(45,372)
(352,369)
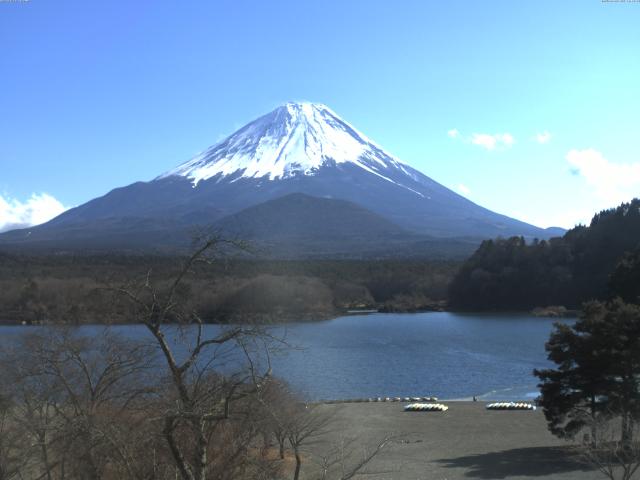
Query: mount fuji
(300,161)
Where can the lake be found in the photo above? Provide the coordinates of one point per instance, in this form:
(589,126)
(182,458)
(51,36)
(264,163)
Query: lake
(448,355)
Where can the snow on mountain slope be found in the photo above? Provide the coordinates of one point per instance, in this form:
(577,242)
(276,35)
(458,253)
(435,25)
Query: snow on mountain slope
(298,148)
(294,139)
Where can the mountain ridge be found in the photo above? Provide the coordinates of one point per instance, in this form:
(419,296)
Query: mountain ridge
(297,148)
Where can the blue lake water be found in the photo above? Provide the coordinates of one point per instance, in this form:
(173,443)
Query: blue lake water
(449,355)
(445,354)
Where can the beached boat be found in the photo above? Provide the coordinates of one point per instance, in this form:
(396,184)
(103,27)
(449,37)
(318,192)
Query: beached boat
(425,407)
(510,406)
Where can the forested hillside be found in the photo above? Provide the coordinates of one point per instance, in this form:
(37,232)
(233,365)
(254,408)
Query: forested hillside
(506,274)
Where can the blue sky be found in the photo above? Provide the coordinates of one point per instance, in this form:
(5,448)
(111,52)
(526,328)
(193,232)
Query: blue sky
(527,108)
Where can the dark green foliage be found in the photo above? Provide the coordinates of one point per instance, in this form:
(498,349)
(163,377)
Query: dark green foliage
(509,273)
(569,393)
(625,279)
(597,370)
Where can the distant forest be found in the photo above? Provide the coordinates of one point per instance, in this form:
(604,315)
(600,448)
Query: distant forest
(595,262)
(78,289)
(598,261)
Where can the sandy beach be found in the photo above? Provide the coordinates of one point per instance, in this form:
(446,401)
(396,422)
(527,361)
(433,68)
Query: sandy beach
(465,442)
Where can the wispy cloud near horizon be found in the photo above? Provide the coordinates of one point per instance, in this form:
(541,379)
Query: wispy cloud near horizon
(613,183)
(37,209)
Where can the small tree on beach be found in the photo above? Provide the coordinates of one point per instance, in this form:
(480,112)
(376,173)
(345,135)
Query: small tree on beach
(571,394)
(307,430)
(597,378)
(615,459)
(348,458)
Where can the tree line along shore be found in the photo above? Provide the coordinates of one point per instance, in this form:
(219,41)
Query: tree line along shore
(550,278)
(79,289)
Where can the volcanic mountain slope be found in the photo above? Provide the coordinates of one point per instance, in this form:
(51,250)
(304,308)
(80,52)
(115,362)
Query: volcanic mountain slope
(297,148)
(299,225)
(301,216)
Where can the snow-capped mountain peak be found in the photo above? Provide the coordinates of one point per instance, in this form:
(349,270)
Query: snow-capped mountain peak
(250,184)
(297,138)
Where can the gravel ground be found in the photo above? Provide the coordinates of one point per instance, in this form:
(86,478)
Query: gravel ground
(465,442)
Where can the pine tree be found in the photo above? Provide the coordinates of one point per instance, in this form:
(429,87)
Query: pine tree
(597,373)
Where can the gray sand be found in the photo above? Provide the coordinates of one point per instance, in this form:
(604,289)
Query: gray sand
(466,442)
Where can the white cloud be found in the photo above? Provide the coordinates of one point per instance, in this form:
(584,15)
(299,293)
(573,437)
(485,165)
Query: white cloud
(614,183)
(484,140)
(462,188)
(543,137)
(39,208)
(491,142)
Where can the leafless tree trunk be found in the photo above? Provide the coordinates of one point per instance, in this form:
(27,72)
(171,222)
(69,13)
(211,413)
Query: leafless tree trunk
(202,397)
(303,426)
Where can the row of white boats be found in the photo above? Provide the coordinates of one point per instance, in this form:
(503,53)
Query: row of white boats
(419,404)
(439,407)
(425,407)
(385,399)
(510,406)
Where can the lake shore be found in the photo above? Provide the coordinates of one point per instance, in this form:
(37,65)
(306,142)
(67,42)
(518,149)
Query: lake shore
(467,441)
(276,319)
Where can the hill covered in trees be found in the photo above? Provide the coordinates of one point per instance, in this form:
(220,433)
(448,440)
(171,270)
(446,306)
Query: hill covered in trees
(589,262)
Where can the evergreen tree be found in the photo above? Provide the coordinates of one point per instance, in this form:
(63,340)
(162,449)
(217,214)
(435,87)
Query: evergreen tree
(571,394)
(507,274)
(597,373)
(625,279)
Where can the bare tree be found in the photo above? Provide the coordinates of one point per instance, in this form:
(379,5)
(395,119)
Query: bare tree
(202,398)
(609,451)
(348,458)
(33,412)
(292,422)
(14,449)
(72,396)
(274,404)
(305,429)
(306,423)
